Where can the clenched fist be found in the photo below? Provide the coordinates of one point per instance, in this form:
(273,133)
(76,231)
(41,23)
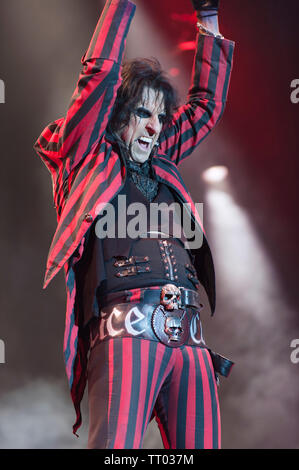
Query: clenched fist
(199,5)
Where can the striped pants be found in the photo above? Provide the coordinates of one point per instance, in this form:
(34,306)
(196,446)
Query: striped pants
(132,379)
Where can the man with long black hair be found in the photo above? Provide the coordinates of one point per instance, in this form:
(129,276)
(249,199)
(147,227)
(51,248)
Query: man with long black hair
(133,327)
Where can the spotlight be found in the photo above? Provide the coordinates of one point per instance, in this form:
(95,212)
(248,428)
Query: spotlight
(215,174)
(186,46)
(174,72)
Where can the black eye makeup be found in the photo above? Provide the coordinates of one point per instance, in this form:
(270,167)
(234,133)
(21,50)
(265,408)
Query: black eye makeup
(162,118)
(145,113)
(142,112)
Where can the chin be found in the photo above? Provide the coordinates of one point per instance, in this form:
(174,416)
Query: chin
(139,158)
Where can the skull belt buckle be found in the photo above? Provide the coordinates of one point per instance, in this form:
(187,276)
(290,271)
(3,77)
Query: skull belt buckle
(170,322)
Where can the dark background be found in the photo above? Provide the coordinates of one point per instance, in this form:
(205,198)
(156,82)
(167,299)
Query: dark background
(251,220)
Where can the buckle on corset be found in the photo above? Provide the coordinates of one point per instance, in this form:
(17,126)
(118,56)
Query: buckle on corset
(170,322)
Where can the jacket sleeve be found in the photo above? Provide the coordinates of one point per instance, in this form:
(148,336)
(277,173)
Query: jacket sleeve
(206,98)
(92,101)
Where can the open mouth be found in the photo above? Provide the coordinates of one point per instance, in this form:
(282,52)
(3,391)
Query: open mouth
(144,143)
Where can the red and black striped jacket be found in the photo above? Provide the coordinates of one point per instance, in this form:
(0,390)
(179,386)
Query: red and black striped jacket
(87,171)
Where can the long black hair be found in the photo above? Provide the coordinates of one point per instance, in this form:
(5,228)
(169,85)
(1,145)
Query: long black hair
(136,75)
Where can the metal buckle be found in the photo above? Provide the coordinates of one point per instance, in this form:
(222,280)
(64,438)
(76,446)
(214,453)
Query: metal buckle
(133,270)
(169,321)
(171,327)
(170,297)
(123,261)
(179,297)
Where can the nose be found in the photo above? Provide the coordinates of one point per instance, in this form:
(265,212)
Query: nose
(153,125)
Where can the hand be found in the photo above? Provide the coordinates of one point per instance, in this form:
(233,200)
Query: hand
(200,5)
(207,15)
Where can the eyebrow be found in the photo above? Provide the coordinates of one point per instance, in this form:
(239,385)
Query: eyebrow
(148,112)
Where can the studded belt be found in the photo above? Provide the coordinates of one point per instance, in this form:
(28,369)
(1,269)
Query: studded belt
(141,320)
(169,314)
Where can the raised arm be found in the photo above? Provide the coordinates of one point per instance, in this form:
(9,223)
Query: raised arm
(74,136)
(209,87)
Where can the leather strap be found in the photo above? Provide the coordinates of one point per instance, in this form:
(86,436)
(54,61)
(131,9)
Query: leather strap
(131,261)
(133,270)
(221,364)
(189,297)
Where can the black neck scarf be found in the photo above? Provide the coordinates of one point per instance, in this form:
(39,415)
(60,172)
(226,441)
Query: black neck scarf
(142,176)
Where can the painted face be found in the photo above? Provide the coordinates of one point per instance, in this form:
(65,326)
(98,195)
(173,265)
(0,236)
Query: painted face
(145,125)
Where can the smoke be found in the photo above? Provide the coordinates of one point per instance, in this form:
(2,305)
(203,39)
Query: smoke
(40,415)
(255,328)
